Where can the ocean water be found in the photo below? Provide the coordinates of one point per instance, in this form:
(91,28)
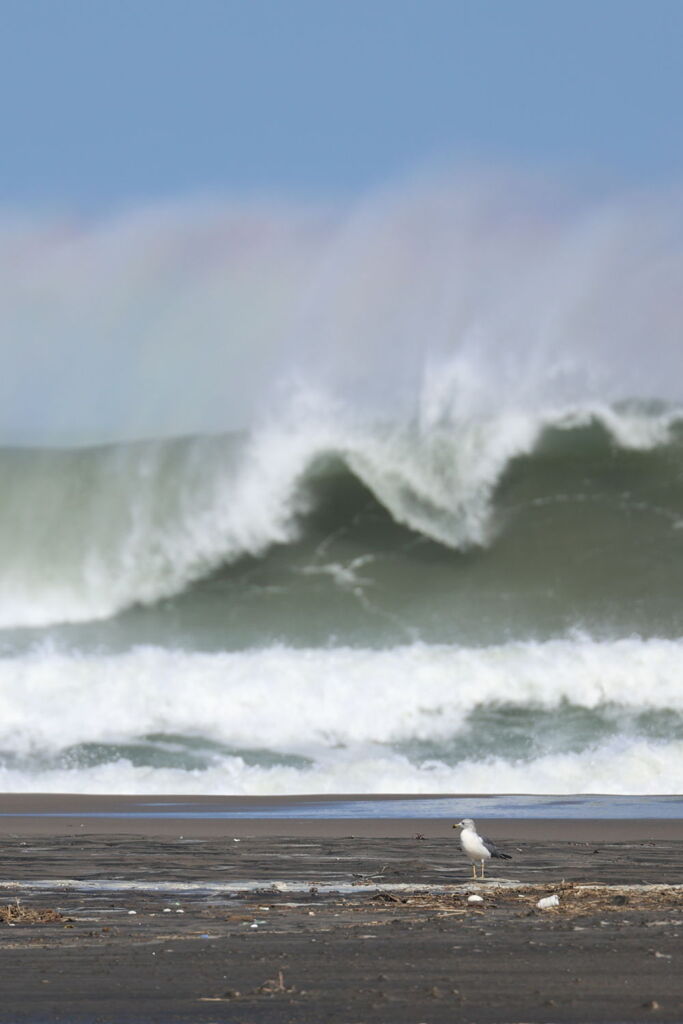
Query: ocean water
(384,497)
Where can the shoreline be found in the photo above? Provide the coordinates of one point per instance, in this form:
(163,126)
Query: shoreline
(33,814)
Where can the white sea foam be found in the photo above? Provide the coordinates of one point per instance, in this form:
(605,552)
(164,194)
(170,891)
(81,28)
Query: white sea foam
(307,700)
(617,768)
(343,710)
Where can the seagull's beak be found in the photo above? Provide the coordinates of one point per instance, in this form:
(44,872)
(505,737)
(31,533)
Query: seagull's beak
(458,824)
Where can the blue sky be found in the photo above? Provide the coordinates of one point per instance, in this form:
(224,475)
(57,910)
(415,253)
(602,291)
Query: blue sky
(108,101)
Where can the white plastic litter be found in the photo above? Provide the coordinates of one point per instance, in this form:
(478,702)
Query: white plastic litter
(548,901)
(475,899)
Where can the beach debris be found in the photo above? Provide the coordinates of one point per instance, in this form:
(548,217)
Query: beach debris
(230,993)
(274,985)
(652,1004)
(386,897)
(16,913)
(548,902)
(575,900)
(475,899)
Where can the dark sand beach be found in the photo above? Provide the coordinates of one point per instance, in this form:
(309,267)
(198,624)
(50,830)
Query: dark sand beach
(356,920)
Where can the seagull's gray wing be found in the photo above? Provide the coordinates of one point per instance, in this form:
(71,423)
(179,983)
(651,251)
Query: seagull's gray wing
(493,849)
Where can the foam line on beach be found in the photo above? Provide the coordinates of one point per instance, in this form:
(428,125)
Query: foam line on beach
(319,888)
(236,888)
(520,806)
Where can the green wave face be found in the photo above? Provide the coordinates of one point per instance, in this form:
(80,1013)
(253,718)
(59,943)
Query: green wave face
(166,543)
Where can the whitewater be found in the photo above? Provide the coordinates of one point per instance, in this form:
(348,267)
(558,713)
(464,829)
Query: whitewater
(384,497)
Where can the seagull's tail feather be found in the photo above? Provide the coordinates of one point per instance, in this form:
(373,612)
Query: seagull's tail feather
(502,856)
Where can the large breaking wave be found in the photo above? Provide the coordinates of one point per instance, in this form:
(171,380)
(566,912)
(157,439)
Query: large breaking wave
(425,338)
(322,499)
(85,534)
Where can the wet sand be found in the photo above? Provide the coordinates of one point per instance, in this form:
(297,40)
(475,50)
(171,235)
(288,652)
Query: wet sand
(200,816)
(267,921)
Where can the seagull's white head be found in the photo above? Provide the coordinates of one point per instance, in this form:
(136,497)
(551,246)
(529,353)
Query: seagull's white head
(465,823)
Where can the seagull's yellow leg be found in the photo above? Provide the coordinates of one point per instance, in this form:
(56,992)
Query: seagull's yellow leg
(474,869)
(482,869)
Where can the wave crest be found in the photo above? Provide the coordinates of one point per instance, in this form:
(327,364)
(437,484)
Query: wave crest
(85,534)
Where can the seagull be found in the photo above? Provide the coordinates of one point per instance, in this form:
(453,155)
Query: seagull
(476,847)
